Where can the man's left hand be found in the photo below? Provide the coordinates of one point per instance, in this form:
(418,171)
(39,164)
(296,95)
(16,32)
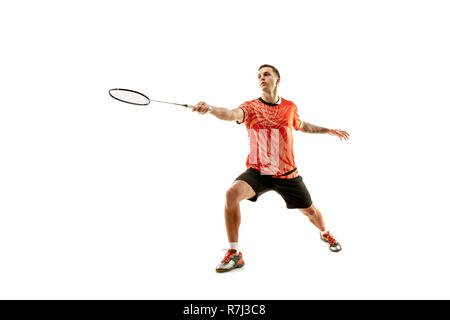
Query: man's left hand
(339,133)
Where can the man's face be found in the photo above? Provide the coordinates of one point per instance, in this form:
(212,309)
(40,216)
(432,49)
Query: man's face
(267,79)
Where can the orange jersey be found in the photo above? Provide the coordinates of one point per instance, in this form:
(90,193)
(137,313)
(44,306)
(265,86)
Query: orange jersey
(271,143)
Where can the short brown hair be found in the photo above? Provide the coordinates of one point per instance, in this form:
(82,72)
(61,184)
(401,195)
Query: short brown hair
(273,69)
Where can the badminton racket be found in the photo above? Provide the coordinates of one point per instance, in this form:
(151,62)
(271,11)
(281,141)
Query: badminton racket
(140,99)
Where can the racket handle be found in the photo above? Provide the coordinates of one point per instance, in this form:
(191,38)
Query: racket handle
(192,107)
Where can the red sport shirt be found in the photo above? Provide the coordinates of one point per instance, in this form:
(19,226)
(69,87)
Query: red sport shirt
(269,128)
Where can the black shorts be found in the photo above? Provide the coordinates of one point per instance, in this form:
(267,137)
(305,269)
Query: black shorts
(293,191)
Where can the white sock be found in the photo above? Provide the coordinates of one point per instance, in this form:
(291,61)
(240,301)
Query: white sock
(234,245)
(322,232)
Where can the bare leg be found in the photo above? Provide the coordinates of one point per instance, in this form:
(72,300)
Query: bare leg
(314,216)
(232,222)
(239,191)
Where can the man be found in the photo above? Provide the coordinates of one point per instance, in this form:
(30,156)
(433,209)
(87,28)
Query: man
(270,163)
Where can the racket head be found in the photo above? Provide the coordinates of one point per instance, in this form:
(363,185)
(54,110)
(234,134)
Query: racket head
(129,96)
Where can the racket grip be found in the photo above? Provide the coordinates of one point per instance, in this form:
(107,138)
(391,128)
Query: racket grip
(192,107)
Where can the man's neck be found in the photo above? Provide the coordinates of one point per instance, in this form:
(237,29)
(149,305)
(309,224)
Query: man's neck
(271,97)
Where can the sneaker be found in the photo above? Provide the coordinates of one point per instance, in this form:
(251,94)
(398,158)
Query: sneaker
(232,260)
(332,243)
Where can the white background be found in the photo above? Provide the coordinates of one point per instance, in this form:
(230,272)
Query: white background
(103,200)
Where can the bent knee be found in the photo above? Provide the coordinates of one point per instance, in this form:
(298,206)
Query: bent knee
(310,212)
(232,197)
(239,191)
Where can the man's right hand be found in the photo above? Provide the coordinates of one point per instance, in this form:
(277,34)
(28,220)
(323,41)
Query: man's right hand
(202,107)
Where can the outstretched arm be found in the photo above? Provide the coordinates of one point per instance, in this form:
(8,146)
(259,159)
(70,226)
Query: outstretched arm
(221,113)
(310,128)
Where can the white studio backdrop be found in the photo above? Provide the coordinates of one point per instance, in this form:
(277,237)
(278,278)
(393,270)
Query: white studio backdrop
(103,200)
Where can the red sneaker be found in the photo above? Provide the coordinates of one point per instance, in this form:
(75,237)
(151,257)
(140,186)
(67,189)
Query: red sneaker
(333,245)
(232,260)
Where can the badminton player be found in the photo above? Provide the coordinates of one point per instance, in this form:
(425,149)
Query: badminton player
(270,120)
